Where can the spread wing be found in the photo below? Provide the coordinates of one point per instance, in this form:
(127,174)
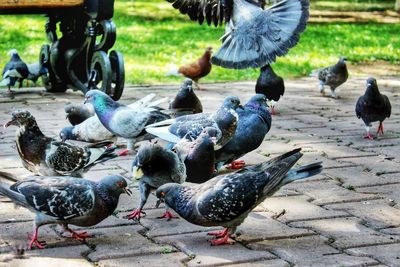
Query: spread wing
(60,197)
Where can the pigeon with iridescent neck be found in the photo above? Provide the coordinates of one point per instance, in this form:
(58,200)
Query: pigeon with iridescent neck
(65,200)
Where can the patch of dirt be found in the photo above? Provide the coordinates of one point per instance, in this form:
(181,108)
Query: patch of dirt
(377,68)
(324,16)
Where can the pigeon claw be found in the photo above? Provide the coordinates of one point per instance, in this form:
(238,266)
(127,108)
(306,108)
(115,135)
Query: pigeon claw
(225,240)
(167,214)
(219,233)
(124,152)
(236,165)
(35,242)
(273,111)
(369,136)
(79,236)
(135,215)
(380,129)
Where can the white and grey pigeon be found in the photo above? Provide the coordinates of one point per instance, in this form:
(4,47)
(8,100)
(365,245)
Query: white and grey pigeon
(46,156)
(226,200)
(92,130)
(35,71)
(65,200)
(224,120)
(15,70)
(78,113)
(121,120)
(253,36)
(332,76)
(373,106)
(254,123)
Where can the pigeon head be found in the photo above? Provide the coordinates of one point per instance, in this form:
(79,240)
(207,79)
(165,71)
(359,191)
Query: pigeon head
(67,134)
(187,85)
(209,133)
(115,185)
(266,69)
(167,193)
(69,108)
(372,87)
(208,52)
(232,102)
(342,59)
(21,118)
(99,100)
(151,159)
(371,82)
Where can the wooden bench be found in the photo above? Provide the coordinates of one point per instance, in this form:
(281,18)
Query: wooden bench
(79,58)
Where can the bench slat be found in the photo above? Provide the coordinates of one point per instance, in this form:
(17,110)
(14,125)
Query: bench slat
(16,4)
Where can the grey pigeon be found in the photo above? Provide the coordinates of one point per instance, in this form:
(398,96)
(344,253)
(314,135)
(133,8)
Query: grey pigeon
(270,84)
(224,120)
(226,200)
(121,120)
(15,70)
(65,200)
(373,106)
(198,155)
(92,130)
(78,113)
(187,99)
(35,71)
(332,76)
(253,124)
(250,41)
(45,156)
(154,166)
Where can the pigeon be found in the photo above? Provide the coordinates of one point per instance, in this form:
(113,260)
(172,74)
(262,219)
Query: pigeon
(332,76)
(187,99)
(45,156)
(35,71)
(373,106)
(91,130)
(253,124)
(253,36)
(196,70)
(154,166)
(78,113)
(226,200)
(15,70)
(224,120)
(198,155)
(270,84)
(121,120)
(65,200)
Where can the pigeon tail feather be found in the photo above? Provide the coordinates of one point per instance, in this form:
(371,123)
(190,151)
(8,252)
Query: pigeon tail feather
(258,39)
(303,172)
(173,72)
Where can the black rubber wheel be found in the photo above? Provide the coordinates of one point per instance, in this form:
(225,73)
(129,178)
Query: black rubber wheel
(107,30)
(100,70)
(118,75)
(49,80)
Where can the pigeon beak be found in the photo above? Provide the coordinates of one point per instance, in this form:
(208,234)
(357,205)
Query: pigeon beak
(86,100)
(11,122)
(159,201)
(137,173)
(214,140)
(241,107)
(128,191)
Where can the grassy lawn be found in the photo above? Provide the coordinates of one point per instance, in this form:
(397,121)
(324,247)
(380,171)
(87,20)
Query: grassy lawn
(154,38)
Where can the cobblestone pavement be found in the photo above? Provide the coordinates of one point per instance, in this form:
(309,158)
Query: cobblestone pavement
(349,215)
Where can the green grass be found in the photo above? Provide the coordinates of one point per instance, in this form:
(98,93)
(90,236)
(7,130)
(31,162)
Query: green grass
(355,5)
(154,38)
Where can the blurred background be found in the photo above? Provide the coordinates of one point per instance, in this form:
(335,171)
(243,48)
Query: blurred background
(154,38)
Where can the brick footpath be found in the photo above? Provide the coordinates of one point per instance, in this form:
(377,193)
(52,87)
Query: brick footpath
(349,215)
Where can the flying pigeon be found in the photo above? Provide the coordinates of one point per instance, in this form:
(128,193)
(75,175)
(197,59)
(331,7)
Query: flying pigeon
(253,36)
(91,130)
(332,76)
(35,71)
(198,155)
(224,120)
(226,200)
(121,120)
(186,98)
(15,70)
(270,84)
(78,113)
(45,156)
(154,166)
(373,106)
(253,124)
(65,200)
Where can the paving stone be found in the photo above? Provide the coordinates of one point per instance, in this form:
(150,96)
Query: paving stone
(389,192)
(11,213)
(298,208)
(377,165)
(327,192)
(391,231)
(196,245)
(376,214)
(259,226)
(153,260)
(386,254)
(310,251)
(122,241)
(347,232)
(266,263)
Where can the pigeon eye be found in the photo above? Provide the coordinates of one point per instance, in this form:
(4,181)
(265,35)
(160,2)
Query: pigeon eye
(120,184)
(162,194)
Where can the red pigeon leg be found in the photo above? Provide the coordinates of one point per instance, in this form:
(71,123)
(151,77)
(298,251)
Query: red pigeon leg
(222,240)
(219,233)
(380,129)
(135,215)
(273,111)
(124,152)
(35,241)
(236,165)
(76,235)
(167,214)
